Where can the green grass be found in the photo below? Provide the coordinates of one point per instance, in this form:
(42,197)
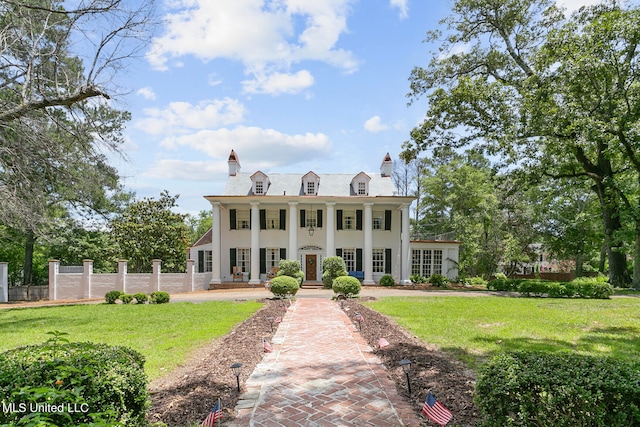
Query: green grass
(474,328)
(166,334)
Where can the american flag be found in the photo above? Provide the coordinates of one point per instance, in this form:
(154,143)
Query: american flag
(277,319)
(382,343)
(358,318)
(266,346)
(215,414)
(435,411)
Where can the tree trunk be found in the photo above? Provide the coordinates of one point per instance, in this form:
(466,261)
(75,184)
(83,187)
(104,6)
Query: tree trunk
(28,259)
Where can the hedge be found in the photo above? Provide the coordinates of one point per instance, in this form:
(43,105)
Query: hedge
(84,383)
(535,389)
(332,267)
(284,285)
(583,287)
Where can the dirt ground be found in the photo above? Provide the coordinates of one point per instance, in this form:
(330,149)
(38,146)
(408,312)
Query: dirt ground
(187,394)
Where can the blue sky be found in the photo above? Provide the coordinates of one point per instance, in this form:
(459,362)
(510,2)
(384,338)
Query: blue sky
(290,85)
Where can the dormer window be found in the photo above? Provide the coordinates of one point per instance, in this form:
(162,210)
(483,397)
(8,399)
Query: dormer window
(259,184)
(360,184)
(362,189)
(310,184)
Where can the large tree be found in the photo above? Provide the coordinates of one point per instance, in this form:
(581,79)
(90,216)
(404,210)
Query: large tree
(57,68)
(520,80)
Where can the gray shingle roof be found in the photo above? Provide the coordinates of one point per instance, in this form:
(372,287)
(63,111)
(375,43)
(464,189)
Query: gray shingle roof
(336,185)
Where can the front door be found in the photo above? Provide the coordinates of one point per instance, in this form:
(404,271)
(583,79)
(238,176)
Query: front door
(312,268)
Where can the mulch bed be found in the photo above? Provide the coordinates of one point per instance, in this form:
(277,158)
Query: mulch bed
(187,394)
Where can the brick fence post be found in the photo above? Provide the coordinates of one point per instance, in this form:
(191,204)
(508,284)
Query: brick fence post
(87,272)
(4,282)
(54,269)
(155,276)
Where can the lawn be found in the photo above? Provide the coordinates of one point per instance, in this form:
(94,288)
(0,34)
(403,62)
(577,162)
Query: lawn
(165,334)
(474,328)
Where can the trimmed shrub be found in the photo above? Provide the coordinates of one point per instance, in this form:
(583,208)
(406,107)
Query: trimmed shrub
(111,296)
(141,298)
(332,267)
(387,280)
(504,285)
(347,286)
(474,281)
(592,287)
(159,297)
(536,288)
(525,389)
(291,268)
(126,298)
(284,285)
(439,280)
(87,383)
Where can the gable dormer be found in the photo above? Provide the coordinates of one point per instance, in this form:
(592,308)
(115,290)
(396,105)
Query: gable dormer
(360,184)
(259,184)
(310,184)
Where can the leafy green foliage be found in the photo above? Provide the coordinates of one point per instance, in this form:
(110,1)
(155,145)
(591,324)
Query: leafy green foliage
(583,287)
(283,286)
(346,285)
(141,298)
(111,296)
(126,298)
(387,280)
(439,280)
(418,279)
(291,268)
(104,384)
(332,267)
(148,229)
(474,281)
(524,388)
(159,297)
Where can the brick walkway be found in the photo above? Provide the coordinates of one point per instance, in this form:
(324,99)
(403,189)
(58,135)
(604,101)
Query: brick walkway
(321,373)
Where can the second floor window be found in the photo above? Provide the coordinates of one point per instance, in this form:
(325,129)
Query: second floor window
(259,187)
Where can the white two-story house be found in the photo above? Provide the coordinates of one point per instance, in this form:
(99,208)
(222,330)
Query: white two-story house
(262,218)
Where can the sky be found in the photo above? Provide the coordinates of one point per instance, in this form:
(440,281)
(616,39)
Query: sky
(291,85)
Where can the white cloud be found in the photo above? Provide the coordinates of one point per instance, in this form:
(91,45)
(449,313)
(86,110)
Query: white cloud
(573,5)
(402,6)
(257,148)
(278,83)
(147,93)
(374,125)
(263,37)
(181,116)
(186,170)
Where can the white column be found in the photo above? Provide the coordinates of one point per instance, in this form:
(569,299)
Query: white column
(54,269)
(331,229)
(255,244)
(368,246)
(155,275)
(87,272)
(216,256)
(293,231)
(406,254)
(4,282)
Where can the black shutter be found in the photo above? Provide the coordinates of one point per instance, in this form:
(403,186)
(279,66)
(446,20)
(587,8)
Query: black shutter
(200,261)
(358,259)
(232,219)
(283,219)
(359,219)
(263,219)
(387,220)
(263,260)
(339,252)
(319,218)
(250,217)
(303,218)
(283,253)
(339,219)
(232,258)
(387,261)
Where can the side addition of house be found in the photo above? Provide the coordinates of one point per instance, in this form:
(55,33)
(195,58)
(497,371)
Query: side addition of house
(262,218)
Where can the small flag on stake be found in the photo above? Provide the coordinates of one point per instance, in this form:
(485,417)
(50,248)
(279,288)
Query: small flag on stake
(278,319)
(266,346)
(382,343)
(215,414)
(435,411)
(358,318)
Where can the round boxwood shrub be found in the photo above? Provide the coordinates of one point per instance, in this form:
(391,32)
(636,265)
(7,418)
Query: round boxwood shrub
(332,267)
(159,297)
(291,268)
(346,285)
(527,388)
(111,296)
(284,285)
(126,298)
(96,384)
(141,298)
(387,280)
